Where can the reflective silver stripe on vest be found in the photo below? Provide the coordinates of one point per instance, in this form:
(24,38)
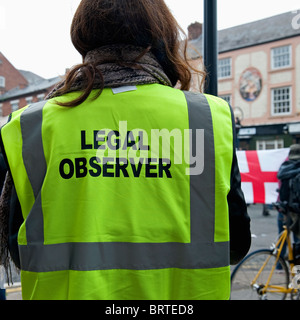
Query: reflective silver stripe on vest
(201,253)
(35,165)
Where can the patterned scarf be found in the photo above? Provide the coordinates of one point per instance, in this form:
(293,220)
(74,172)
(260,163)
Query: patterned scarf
(119,65)
(4,229)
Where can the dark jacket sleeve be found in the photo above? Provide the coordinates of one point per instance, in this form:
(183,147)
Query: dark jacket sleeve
(15,222)
(239,220)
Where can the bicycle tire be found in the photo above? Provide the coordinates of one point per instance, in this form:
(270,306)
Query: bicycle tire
(245,272)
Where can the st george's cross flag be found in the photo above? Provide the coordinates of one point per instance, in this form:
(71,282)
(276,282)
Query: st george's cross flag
(259,174)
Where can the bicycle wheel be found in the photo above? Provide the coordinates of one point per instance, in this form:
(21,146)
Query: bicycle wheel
(246,271)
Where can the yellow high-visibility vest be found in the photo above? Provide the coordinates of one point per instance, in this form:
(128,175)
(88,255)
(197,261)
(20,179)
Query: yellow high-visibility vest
(123,196)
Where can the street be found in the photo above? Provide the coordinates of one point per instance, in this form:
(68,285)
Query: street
(263,229)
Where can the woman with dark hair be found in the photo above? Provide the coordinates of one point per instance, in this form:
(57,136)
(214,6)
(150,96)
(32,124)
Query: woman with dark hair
(132,34)
(127,188)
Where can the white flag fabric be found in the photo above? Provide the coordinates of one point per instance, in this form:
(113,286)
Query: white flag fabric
(259,174)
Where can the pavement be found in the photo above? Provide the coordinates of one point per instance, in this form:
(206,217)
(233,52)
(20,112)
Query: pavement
(14,292)
(263,230)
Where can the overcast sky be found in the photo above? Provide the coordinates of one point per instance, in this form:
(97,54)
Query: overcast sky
(34,34)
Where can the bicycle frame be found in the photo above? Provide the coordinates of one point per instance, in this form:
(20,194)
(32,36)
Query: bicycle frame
(284,237)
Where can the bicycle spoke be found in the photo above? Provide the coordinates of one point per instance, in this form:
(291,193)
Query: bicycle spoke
(249,278)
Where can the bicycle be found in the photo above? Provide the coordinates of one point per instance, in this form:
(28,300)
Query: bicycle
(264,274)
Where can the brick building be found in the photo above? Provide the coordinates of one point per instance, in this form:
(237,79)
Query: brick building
(18,88)
(10,77)
(259,75)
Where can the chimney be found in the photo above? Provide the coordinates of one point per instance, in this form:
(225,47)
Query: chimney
(195,30)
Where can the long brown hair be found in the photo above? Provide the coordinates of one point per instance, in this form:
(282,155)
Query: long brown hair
(143,23)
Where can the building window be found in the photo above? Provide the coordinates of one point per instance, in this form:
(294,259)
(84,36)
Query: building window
(227,98)
(281,101)
(269,144)
(14,105)
(40,97)
(224,68)
(2,82)
(281,57)
(29,100)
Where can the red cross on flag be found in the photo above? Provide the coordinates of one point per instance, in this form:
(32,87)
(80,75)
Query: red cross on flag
(259,174)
